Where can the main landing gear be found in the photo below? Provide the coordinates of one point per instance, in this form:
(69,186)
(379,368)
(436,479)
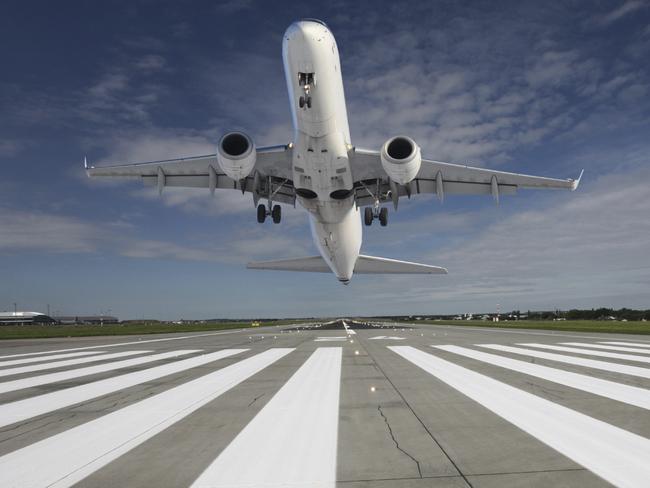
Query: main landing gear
(371,214)
(305,80)
(275,213)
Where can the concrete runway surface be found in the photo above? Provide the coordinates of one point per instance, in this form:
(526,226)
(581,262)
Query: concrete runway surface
(343,404)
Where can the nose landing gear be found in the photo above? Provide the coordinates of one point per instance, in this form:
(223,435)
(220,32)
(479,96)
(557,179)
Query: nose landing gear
(306,81)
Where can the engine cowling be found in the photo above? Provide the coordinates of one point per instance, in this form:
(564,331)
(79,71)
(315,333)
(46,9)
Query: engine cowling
(236,155)
(401,159)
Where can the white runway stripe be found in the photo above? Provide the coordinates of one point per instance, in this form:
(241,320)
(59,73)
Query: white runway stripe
(69,362)
(611,348)
(618,456)
(631,344)
(69,457)
(632,395)
(80,372)
(331,339)
(588,363)
(133,343)
(293,439)
(53,357)
(590,352)
(31,407)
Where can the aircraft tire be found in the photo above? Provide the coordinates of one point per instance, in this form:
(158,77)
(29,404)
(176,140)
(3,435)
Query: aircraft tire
(276,214)
(383,217)
(261,213)
(367,216)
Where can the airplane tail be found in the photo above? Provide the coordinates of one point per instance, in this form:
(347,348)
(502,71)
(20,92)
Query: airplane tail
(364,265)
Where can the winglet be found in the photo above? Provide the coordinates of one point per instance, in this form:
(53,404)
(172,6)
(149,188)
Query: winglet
(575,183)
(85,163)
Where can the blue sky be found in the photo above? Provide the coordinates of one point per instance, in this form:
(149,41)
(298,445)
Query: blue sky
(545,88)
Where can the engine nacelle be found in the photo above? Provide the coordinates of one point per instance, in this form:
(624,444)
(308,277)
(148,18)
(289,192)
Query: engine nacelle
(236,155)
(401,159)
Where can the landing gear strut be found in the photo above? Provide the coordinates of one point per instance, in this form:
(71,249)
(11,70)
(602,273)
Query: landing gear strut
(376,211)
(275,211)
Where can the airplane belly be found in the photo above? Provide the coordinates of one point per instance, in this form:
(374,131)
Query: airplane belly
(339,243)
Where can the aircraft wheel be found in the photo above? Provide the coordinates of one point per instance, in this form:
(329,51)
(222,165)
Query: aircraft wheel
(276,213)
(301,102)
(367,216)
(308,102)
(383,217)
(261,213)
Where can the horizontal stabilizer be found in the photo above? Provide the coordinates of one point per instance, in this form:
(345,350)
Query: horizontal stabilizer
(375,265)
(364,265)
(313,264)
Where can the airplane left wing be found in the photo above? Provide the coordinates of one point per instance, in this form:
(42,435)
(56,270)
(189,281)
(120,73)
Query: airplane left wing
(271,174)
(441,179)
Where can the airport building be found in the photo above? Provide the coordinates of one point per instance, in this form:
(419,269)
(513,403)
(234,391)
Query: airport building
(87,319)
(22,318)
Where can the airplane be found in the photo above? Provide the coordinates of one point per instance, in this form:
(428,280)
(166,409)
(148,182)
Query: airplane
(323,171)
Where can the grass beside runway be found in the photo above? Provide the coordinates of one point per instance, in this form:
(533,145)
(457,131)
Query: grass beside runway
(45,331)
(613,326)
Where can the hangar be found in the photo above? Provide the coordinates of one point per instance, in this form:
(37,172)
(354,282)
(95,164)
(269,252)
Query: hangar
(22,318)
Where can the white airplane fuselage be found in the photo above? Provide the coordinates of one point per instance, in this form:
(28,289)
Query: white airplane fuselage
(321,169)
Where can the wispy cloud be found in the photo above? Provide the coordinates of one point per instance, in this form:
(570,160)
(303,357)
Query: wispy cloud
(624,9)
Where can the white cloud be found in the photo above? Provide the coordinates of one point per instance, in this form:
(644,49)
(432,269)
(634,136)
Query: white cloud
(590,248)
(619,12)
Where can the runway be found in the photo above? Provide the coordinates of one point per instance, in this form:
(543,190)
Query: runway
(343,404)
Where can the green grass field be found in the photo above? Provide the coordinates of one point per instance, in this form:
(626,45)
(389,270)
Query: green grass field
(613,326)
(44,331)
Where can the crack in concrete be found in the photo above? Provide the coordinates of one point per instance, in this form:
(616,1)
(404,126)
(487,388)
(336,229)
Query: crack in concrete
(392,436)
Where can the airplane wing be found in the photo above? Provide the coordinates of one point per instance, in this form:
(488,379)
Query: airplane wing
(440,179)
(272,174)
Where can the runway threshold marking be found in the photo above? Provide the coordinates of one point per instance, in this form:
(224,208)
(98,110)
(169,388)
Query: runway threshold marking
(611,348)
(590,352)
(69,362)
(386,338)
(69,457)
(123,344)
(632,344)
(53,357)
(87,371)
(588,363)
(302,419)
(618,456)
(631,395)
(20,410)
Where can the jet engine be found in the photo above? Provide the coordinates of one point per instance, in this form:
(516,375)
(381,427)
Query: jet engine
(401,159)
(236,155)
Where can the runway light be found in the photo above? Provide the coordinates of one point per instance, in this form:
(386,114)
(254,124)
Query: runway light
(351,341)
(356,353)
(373,389)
